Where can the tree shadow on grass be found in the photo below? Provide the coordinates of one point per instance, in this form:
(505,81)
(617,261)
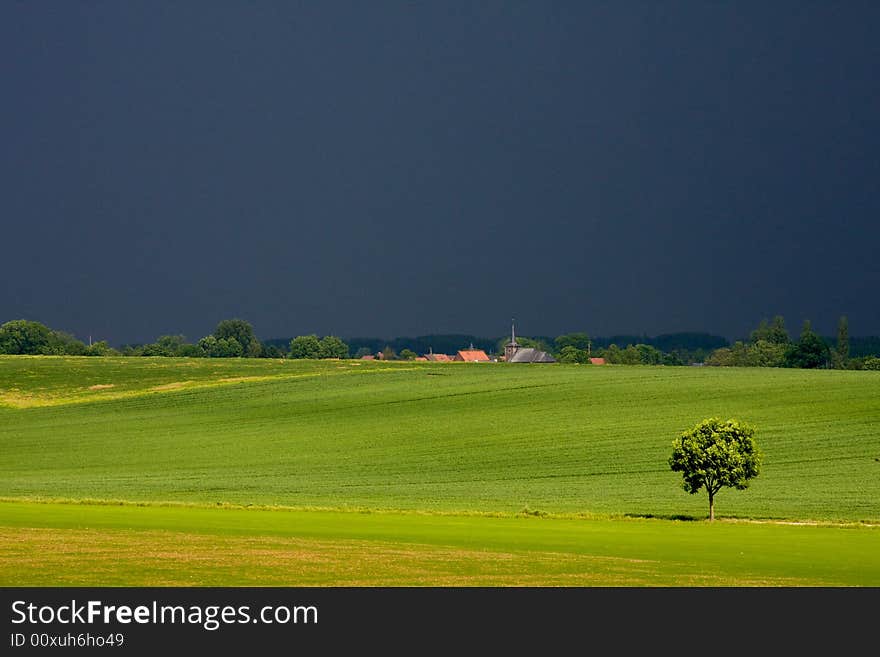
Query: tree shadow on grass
(662,516)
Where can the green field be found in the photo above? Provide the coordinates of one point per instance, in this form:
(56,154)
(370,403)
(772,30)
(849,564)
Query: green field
(451,444)
(172,546)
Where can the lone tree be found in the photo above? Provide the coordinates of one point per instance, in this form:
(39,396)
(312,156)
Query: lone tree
(714,454)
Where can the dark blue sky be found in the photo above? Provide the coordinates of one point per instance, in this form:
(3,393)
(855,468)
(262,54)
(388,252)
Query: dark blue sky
(397,168)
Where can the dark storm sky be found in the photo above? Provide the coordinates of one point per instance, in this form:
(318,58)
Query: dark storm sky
(396,168)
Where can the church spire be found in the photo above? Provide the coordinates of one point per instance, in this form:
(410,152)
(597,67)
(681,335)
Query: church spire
(511,347)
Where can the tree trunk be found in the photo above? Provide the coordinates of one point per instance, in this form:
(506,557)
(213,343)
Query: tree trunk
(711,506)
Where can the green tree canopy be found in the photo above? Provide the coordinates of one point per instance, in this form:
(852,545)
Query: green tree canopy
(762,332)
(271,351)
(773,332)
(649,355)
(722,357)
(809,352)
(64,344)
(333,347)
(577,340)
(841,353)
(630,356)
(571,354)
(222,348)
(612,353)
(101,349)
(22,336)
(778,333)
(165,345)
(240,331)
(768,354)
(305,346)
(190,351)
(208,345)
(716,454)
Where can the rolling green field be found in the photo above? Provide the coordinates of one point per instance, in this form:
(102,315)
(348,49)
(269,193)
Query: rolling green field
(451,445)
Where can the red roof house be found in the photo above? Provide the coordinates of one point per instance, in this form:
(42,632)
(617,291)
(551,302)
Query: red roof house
(472,356)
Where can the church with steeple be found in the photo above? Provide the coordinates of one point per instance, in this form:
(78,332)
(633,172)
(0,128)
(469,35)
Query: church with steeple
(511,347)
(515,353)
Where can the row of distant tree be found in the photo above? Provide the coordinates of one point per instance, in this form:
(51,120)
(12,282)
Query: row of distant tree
(233,338)
(769,345)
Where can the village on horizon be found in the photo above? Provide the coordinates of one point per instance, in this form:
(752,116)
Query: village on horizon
(514,352)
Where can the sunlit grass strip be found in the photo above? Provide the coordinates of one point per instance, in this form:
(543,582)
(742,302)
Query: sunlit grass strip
(69,545)
(524,513)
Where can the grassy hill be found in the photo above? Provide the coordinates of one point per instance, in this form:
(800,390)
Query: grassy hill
(448,437)
(209,472)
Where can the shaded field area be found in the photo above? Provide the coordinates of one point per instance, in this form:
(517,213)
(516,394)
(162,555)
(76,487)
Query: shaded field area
(93,545)
(425,436)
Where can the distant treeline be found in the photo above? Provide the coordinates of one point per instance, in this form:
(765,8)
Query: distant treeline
(440,344)
(769,345)
(860,347)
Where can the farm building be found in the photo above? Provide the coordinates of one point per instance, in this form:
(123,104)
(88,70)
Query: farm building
(438,358)
(597,361)
(471,355)
(530,355)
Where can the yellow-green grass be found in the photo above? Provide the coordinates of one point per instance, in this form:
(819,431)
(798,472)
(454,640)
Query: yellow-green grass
(463,447)
(425,436)
(39,381)
(95,545)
